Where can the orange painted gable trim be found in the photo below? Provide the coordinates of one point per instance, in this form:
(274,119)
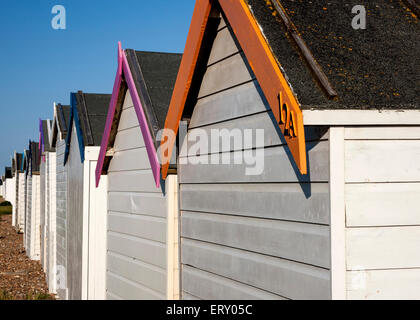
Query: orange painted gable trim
(279,95)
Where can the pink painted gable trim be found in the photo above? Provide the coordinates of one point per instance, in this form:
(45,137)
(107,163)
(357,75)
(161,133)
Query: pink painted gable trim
(147,137)
(123,67)
(110,117)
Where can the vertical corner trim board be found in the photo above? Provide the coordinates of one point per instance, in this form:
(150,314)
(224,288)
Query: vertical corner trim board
(172,239)
(337,214)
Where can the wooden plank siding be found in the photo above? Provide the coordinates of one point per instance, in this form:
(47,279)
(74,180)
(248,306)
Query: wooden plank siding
(137,218)
(52,215)
(61,220)
(382,171)
(75,185)
(263,236)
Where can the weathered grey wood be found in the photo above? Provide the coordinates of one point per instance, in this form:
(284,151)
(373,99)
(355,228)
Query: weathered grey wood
(187,296)
(276,164)
(196,282)
(271,201)
(128,119)
(226,74)
(231,135)
(147,251)
(233,103)
(127,290)
(223,46)
(144,227)
(282,277)
(310,242)
(134,159)
(147,204)
(141,273)
(128,139)
(61,225)
(74,219)
(132,181)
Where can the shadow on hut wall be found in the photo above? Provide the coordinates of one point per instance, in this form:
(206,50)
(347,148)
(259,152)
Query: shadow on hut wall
(313,134)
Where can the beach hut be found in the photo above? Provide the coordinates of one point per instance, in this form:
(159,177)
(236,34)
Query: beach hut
(23,195)
(1,187)
(86,205)
(58,237)
(8,171)
(142,255)
(47,160)
(309,189)
(12,191)
(18,173)
(33,206)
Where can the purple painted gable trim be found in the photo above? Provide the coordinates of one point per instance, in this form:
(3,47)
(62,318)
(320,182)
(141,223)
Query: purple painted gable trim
(123,67)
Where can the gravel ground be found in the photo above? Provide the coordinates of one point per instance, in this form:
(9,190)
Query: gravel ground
(20,278)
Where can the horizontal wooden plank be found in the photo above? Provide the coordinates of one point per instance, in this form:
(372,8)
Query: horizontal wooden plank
(397,284)
(144,227)
(128,160)
(382,133)
(289,201)
(242,133)
(301,242)
(209,286)
(223,46)
(225,74)
(151,204)
(382,161)
(240,101)
(147,251)
(383,248)
(128,119)
(282,277)
(128,102)
(266,165)
(382,204)
(129,139)
(132,181)
(129,290)
(138,272)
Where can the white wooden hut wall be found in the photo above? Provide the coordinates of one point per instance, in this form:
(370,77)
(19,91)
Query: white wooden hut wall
(34,236)
(42,179)
(12,198)
(51,216)
(22,203)
(142,230)
(27,233)
(380,178)
(61,220)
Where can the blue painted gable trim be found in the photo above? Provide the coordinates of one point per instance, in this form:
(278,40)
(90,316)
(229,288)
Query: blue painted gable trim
(74,116)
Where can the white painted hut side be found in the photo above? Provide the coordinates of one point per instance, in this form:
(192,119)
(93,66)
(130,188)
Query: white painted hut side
(23,195)
(47,160)
(33,206)
(18,173)
(12,191)
(1,187)
(142,255)
(333,214)
(86,205)
(57,279)
(7,183)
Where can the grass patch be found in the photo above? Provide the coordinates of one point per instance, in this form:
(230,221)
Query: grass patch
(4,295)
(5,210)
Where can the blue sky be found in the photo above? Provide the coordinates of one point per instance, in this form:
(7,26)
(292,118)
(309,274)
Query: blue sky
(40,65)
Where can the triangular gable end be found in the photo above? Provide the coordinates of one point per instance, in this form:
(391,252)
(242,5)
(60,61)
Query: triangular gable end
(124,82)
(274,85)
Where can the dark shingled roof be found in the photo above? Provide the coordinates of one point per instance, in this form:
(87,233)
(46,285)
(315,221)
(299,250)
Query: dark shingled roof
(19,161)
(154,74)
(374,68)
(47,147)
(95,111)
(8,172)
(34,156)
(25,160)
(64,118)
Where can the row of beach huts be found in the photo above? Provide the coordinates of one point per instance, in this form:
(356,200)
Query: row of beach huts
(277,158)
